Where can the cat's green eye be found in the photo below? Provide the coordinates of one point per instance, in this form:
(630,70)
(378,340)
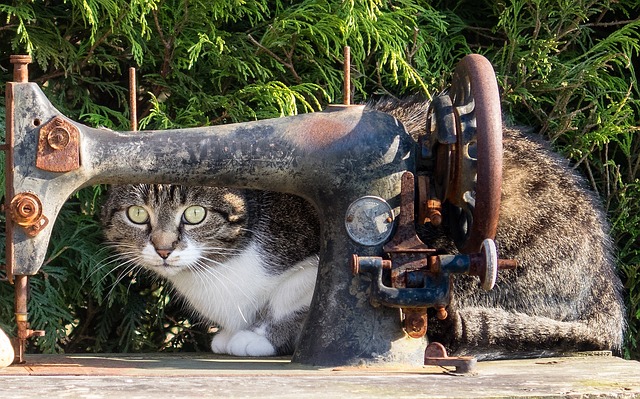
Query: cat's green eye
(138,214)
(194,214)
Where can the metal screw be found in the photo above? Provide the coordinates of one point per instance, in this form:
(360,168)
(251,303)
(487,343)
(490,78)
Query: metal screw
(26,209)
(441,313)
(58,138)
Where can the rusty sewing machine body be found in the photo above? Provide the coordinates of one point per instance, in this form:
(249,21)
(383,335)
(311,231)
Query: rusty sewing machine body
(365,175)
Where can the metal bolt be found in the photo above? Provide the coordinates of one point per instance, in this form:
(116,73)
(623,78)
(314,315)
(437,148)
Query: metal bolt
(26,209)
(58,138)
(433,212)
(415,322)
(441,313)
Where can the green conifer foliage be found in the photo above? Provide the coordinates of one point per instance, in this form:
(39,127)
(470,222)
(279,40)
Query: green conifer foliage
(567,68)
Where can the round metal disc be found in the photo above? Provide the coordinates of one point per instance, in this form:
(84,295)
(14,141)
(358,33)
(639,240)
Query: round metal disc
(369,220)
(490,253)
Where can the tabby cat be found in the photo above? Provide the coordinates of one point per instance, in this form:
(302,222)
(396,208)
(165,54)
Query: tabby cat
(246,260)
(565,294)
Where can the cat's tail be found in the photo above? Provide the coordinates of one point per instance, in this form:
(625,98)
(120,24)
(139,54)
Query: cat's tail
(493,333)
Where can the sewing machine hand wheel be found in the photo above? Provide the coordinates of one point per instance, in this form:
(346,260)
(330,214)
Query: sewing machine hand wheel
(465,146)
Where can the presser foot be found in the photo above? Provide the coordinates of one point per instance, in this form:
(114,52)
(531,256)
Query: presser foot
(436,355)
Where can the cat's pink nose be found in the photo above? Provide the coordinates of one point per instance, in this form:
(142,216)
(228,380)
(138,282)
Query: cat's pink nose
(164,253)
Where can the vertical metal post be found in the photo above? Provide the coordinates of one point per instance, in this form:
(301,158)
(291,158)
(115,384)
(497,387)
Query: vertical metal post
(22,316)
(21,282)
(133,100)
(347,76)
(20,75)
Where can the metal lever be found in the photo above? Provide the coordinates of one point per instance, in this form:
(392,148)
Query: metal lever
(427,286)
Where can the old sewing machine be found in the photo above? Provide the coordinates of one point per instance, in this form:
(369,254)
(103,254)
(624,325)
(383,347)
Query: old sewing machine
(370,181)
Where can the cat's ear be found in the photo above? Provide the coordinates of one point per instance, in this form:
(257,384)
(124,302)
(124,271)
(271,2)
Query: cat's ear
(236,207)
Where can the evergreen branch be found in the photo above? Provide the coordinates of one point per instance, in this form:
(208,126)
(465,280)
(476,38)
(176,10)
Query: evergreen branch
(610,24)
(167,44)
(288,65)
(164,70)
(168,53)
(80,334)
(83,63)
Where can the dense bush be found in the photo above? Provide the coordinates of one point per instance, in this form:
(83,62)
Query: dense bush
(565,68)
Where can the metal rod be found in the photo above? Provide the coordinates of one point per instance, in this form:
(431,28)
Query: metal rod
(347,76)
(21,282)
(20,67)
(21,293)
(8,181)
(133,100)
(20,75)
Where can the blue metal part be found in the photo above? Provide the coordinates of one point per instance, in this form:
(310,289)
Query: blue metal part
(427,288)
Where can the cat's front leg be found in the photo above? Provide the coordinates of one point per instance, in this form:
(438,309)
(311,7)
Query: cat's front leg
(242,343)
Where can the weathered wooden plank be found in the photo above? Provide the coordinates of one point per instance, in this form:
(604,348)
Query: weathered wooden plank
(206,375)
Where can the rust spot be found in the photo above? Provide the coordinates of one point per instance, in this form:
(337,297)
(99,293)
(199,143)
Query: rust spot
(58,146)
(415,322)
(322,129)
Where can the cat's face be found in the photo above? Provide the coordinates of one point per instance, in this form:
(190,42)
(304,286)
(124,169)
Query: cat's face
(169,229)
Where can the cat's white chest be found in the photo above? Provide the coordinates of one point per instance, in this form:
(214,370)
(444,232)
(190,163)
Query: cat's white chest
(233,292)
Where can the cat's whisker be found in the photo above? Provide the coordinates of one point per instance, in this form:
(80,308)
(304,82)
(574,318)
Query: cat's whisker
(204,270)
(242,314)
(129,268)
(108,261)
(102,265)
(126,262)
(221,250)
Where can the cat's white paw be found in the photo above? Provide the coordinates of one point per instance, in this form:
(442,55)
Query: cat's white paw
(249,343)
(242,343)
(220,341)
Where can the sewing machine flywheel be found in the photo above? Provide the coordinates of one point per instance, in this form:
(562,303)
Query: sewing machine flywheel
(463,148)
